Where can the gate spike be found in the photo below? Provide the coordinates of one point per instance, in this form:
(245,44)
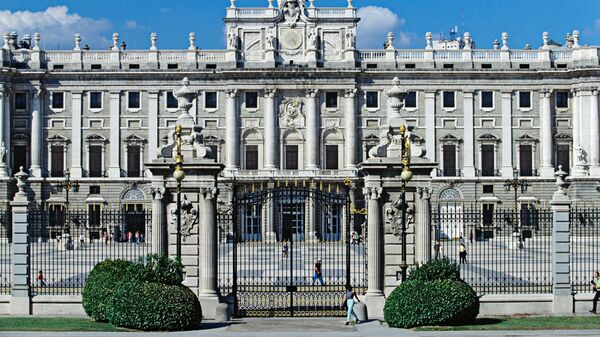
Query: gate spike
(303,182)
(286,182)
(328,187)
(296,182)
(321,185)
(278,183)
(252,188)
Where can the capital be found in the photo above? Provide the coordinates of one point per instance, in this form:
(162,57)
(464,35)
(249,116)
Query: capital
(350,93)
(231,93)
(269,92)
(311,93)
(209,192)
(373,193)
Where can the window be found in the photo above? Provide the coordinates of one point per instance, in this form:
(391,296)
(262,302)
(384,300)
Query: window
(488,214)
(410,66)
(562,157)
(449,161)
(95,100)
(371,66)
(95,161)
(331,100)
(525,99)
(19,158)
(58,100)
(524,66)
(526,160)
(211,66)
(58,66)
(372,99)
(20,101)
(486,66)
(57,156)
(94,215)
(210,100)
(488,189)
(331,157)
(562,99)
(172,66)
(448,99)
(448,66)
(487,161)
(94,189)
(56,218)
(252,100)
(411,100)
(291,157)
(171,101)
(487,100)
(134,66)
(133,161)
(96,66)
(133,100)
(251,157)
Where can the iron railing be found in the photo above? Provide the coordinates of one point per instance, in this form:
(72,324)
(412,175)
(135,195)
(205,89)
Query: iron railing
(5,251)
(585,249)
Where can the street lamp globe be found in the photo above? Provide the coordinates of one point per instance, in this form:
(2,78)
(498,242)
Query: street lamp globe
(406,174)
(179,174)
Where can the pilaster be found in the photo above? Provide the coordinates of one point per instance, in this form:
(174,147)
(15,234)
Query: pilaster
(271,127)
(594,134)
(469,138)
(36,132)
(561,248)
(430,125)
(423,226)
(6,127)
(153,124)
(207,263)
(232,125)
(374,298)
(546,139)
(312,130)
(76,169)
(507,140)
(114,169)
(3,149)
(350,142)
(159,227)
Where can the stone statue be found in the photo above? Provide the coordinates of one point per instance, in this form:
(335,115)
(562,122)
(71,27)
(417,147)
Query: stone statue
(580,153)
(291,113)
(312,39)
(232,39)
(270,40)
(394,215)
(350,39)
(3,153)
(291,11)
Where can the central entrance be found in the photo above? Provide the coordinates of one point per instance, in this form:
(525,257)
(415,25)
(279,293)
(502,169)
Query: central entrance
(290,250)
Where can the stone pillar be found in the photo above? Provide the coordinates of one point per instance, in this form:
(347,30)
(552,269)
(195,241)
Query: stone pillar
(578,166)
(3,156)
(20,301)
(270,235)
(76,169)
(507,149)
(160,234)
(546,167)
(208,292)
(423,226)
(114,169)
(561,251)
(312,131)
(153,133)
(36,133)
(594,134)
(350,141)
(430,125)
(6,128)
(469,150)
(271,143)
(232,141)
(374,299)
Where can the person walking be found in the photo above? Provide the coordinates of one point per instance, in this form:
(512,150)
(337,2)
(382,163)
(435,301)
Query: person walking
(350,297)
(436,248)
(285,250)
(471,236)
(462,253)
(40,279)
(318,275)
(595,287)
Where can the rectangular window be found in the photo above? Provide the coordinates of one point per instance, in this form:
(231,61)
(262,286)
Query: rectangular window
(448,66)
(171,101)
(172,66)
(449,161)
(291,157)
(448,99)
(210,100)
(58,66)
(133,161)
(524,99)
(331,157)
(488,189)
(20,101)
(486,66)
(411,100)
(251,157)
(562,157)
(58,100)
(57,153)
(252,100)
(410,66)
(96,66)
(488,214)
(94,215)
(526,160)
(133,101)
(372,99)
(134,66)
(562,99)
(95,100)
(487,161)
(331,100)
(524,66)
(95,161)
(19,158)
(94,189)
(487,99)
(56,218)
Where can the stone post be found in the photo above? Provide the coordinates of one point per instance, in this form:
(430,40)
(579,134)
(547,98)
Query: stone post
(561,251)
(232,141)
(159,228)
(270,157)
(594,134)
(312,130)
(36,133)
(20,302)
(507,149)
(114,169)
(153,140)
(208,292)
(76,169)
(430,125)
(469,150)
(350,145)
(546,166)
(423,226)
(3,149)
(374,298)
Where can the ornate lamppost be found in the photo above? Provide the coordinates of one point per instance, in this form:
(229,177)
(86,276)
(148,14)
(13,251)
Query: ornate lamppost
(179,175)
(515,183)
(406,176)
(67,185)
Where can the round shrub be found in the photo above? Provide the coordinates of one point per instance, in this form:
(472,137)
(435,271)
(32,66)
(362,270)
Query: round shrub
(154,306)
(103,280)
(157,269)
(440,302)
(437,269)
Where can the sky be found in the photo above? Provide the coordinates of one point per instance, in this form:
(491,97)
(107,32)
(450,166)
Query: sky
(96,20)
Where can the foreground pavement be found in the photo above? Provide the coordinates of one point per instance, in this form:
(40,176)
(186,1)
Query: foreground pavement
(299,327)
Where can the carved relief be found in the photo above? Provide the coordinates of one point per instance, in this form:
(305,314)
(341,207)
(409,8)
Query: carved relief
(394,215)
(189,216)
(332,45)
(291,115)
(252,46)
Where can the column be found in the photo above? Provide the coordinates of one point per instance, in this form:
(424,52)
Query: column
(430,125)
(594,134)
(375,242)
(312,130)
(159,228)
(270,141)
(20,301)
(351,137)
(207,263)
(153,125)
(469,151)
(507,139)
(76,170)
(578,169)
(232,141)
(3,149)
(546,167)
(36,133)
(114,169)
(423,226)
(6,127)
(561,251)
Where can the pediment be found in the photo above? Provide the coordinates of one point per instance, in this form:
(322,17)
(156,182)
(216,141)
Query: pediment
(95,138)
(488,136)
(526,138)
(57,138)
(449,138)
(133,138)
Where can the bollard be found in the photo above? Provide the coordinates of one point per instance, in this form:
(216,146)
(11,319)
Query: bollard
(360,310)
(222,313)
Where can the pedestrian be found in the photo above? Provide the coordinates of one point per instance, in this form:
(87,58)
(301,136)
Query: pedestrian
(129,237)
(350,297)
(141,237)
(436,248)
(105,238)
(285,249)
(595,287)
(462,253)
(137,237)
(40,279)
(471,236)
(81,240)
(461,239)
(317,273)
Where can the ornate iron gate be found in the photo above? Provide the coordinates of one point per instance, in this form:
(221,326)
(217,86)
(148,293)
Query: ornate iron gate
(281,233)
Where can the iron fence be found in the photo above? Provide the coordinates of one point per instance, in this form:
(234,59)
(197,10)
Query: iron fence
(585,250)
(5,251)
(66,245)
(500,251)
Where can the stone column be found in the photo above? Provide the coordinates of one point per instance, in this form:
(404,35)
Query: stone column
(153,133)
(159,226)
(578,167)
(351,138)
(208,292)
(114,169)
(6,127)
(36,133)
(507,141)
(375,259)
(312,130)
(594,134)
(3,156)
(20,301)
(430,125)
(76,170)
(271,141)
(469,150)
(232,141)
(423,226)
(546,167)
(561,251)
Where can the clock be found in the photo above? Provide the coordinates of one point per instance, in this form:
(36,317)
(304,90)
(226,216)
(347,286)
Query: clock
(291,39)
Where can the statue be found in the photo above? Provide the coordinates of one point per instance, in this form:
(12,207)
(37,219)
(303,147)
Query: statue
(291,10)
(394,215)
(350,39)
(291,113)
(270,40)
(580,153)
(3,153)
(312,39)
(232,39)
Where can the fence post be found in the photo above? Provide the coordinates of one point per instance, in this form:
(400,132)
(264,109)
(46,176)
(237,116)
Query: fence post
(423,226)
(561,249)
(20,301)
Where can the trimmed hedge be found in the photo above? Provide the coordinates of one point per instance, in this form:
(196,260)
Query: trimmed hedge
(157,269)
(154,306)
(103,280)
(438,269)
(440,302)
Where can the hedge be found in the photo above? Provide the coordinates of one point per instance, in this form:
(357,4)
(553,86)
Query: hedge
(437,269)
(157,269)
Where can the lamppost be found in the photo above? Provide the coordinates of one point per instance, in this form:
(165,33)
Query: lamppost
(515,183)
(178,174)
(68,184)
(406,176)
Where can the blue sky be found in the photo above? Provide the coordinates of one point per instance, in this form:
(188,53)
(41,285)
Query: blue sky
(96,20)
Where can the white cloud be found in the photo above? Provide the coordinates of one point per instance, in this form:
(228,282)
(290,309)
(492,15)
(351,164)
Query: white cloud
(131,24)
(57,27)
(374,25)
